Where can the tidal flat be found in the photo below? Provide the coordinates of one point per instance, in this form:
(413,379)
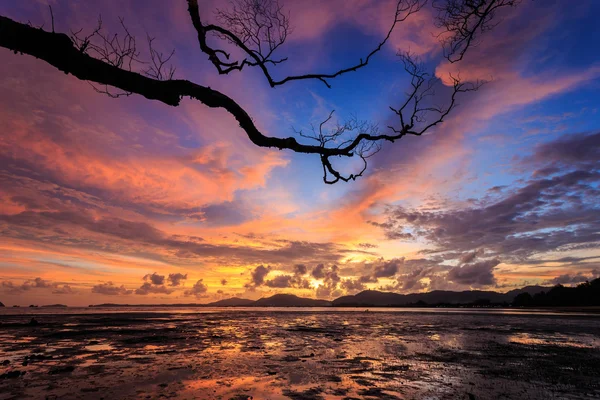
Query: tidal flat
(297,354)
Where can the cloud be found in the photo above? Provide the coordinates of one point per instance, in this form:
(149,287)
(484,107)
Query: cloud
(352,286)
(300,269)
(65,289)
(552,211)
(110,289)
(280,281)
(470,256)
(441,160)
(387,269)
(199,289)
(230,213)
(318,271)
(288,281)
(155,279)
(149,288)
(121,185)
(571,279)
(176,279)
(572,149)
(223,282)
(82,229)
(154,284)
(296,280)
(258,275)
(329,288)
(475,275)
(37,283)
(367,245)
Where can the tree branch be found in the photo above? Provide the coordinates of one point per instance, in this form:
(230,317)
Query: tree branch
(109,63)
(462,20)
(245,28)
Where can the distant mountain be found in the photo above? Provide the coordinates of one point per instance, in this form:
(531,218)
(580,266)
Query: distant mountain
(289,300)
(108,305)
(366,298)
(278,300)
(532,290)
(233,302)
(371,298)
(585,294)
(55,306)
(375,298)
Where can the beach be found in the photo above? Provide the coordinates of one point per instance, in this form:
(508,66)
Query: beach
(297,354)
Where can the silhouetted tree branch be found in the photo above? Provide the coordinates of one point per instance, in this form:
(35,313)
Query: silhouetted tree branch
(462,20)
(257,28)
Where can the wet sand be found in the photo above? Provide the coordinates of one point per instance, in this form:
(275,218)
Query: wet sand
(299,355)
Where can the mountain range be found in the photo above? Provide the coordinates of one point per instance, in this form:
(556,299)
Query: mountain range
(366,298)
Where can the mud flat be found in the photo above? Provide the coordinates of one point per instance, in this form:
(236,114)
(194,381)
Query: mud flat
(298,355)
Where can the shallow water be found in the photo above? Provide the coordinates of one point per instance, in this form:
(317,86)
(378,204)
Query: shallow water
(297,354)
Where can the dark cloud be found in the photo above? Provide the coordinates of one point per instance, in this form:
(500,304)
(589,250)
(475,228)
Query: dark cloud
(368,279)
(228,213)
(352,286)
(199,289)
(149,288)
(155,279)
(418,274)
(318,272)
(470,256)
(371,272)
(81,229)
(300,269)
(37,283)
(259,274)
(295,280)
(110,289)
(65,289)
(116,227)
(257,277)
(281,281)
(556,209)
(154,284)
(476,275)
(176,279)
(571,279)
(388,268)
(288,281)
(330,286)
(223,282)
(367,245)
(574,149)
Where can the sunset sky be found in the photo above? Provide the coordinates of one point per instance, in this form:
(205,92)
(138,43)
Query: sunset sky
(131,201)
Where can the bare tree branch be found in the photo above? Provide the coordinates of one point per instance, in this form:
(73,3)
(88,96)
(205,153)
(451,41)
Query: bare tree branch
(247,23)
(463,20)
(258,28)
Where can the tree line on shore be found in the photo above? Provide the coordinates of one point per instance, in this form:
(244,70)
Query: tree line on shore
(584,294)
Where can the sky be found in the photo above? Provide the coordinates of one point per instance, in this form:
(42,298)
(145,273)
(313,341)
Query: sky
(132,201)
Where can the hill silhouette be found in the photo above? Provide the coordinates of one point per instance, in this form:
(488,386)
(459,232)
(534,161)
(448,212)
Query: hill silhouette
(289,300)
(584,294)
(232,302)
(374,298)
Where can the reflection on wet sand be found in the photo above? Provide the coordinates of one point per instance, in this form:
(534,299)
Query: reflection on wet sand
(299,355)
